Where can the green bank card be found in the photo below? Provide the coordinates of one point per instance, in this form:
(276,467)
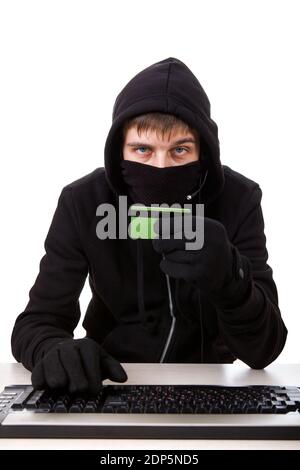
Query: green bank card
(142,225)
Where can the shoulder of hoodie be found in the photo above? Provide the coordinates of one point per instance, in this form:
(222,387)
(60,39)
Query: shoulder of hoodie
(239,187)
(94,182)
(86,193)
(87,179)
(237,182)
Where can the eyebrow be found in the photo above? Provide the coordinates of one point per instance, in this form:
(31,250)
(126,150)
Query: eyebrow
(142,144)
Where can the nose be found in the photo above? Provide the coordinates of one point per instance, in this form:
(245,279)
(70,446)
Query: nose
(161,159)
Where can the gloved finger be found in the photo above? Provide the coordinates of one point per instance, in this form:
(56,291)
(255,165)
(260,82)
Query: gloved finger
(177,270)
(168,245)
(55,375)
(91,365)
(37,377)
(111,368)
(73,366)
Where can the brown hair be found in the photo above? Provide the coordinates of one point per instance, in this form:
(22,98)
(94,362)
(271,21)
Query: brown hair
(159,122)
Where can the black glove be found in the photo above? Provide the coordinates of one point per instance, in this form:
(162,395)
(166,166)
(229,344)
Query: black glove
(217,268)
(78,365)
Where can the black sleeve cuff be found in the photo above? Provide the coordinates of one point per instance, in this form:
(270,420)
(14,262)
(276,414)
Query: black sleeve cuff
(238,289)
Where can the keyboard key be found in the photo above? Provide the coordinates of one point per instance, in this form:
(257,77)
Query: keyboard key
(90,408)
(108,409)
(60,408)
(266,409)
(150,408)
(21,399)
(76,409)
(281,409)
(291,405)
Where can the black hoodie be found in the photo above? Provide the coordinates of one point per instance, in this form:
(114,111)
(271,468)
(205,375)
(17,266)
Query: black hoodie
(134,312)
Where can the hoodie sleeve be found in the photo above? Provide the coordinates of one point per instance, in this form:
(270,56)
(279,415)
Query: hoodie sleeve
(53,310)
(253,330)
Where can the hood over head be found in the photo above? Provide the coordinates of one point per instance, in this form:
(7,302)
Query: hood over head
(168,86)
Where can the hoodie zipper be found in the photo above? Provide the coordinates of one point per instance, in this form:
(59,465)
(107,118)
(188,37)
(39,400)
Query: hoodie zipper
(171,332)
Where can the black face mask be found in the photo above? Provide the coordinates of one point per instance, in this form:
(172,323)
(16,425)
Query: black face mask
(149,184)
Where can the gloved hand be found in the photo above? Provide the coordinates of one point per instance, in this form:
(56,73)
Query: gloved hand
(78,365)
(217,268)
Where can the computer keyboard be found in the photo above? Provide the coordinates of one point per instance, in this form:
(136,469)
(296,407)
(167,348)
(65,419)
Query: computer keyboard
(153,411)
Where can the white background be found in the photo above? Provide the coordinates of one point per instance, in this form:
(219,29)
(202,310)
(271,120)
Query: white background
(62,64)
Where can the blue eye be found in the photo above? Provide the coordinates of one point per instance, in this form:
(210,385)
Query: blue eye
(180,153)
(138,148)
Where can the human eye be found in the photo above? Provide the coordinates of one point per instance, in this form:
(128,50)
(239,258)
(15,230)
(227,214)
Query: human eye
(139,148)
(183,148)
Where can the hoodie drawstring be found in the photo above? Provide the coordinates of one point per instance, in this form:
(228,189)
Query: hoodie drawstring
(146,323)
(140,281)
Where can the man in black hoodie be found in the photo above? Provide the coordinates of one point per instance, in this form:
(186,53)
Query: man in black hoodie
(153,300)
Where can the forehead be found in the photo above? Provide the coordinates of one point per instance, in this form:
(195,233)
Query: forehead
(155,136)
